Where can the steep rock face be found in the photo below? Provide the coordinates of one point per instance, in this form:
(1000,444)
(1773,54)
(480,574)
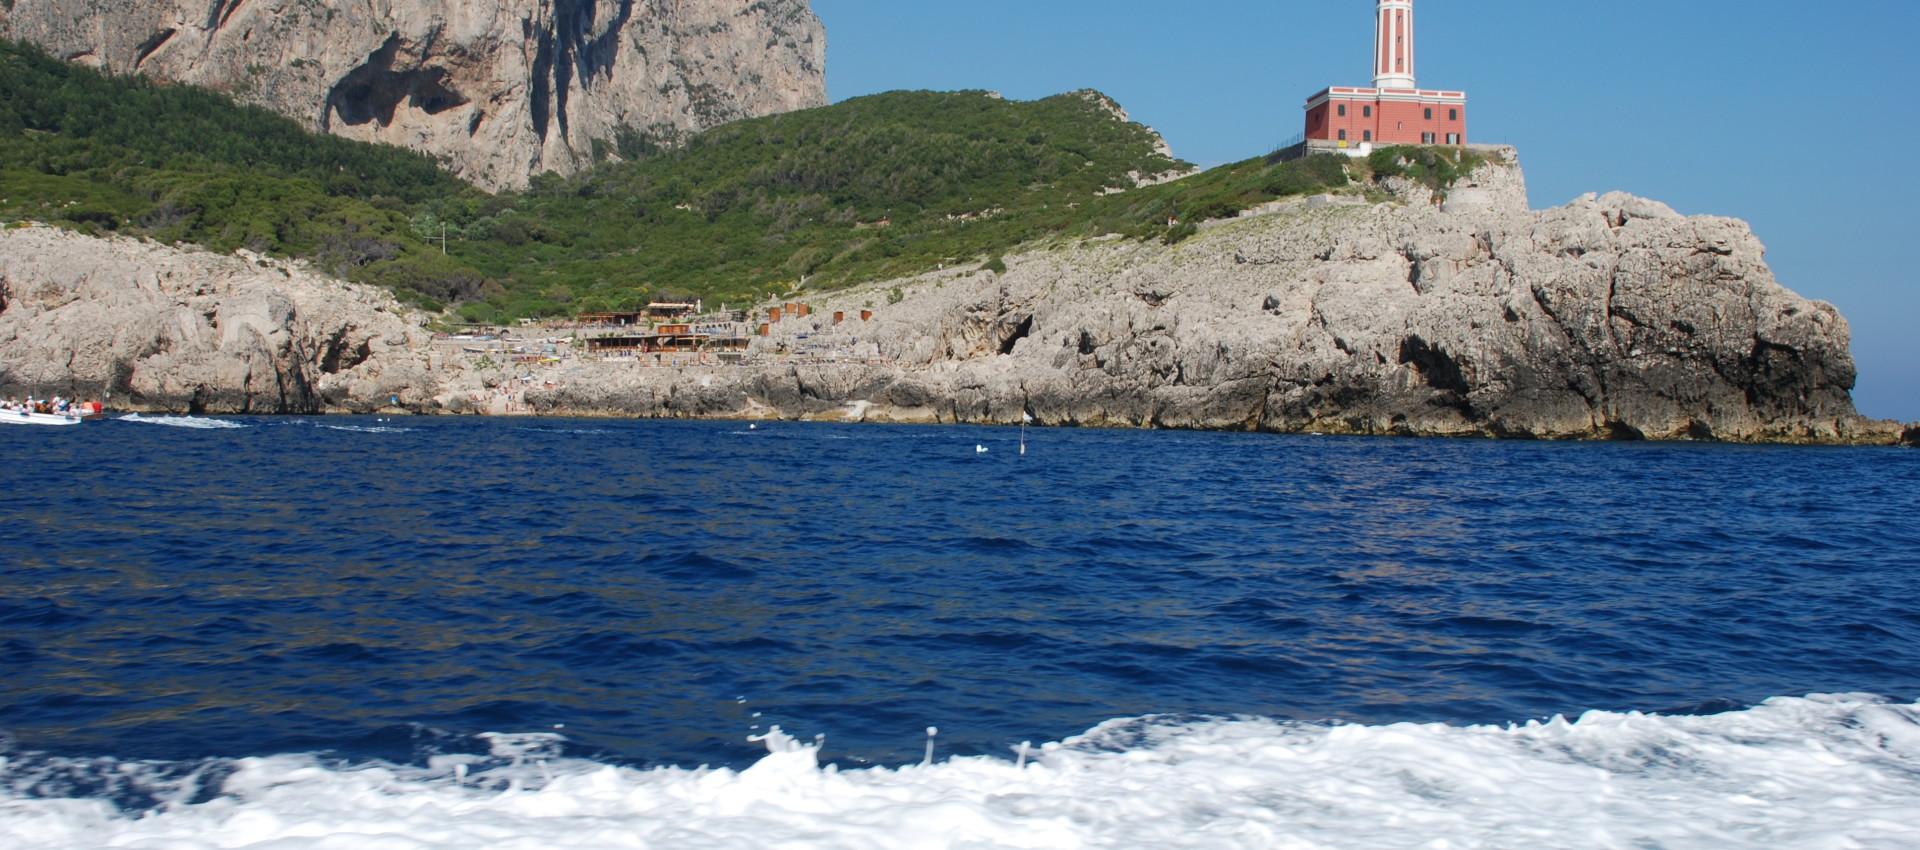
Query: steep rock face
(1611,317)
(498,91)
(151,328)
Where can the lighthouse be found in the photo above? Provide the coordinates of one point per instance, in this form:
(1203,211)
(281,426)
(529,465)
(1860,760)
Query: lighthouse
(1393,45)
(1395,110)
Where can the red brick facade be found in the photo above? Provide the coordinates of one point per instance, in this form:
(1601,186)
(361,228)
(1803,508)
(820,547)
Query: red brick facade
(1414,117)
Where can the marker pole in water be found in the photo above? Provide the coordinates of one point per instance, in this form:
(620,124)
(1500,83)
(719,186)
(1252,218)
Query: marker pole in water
(931,731)
(1025,419)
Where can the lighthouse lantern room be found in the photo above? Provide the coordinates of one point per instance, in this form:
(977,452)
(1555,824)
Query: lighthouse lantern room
(1395,110)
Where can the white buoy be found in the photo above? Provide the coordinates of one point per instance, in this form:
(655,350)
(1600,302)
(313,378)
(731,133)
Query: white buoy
(979,450)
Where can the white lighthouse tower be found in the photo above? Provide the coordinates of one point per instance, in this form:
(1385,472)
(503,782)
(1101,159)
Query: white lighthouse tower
(1393,45)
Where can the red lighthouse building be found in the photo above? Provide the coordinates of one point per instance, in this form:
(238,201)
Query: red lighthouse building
(1395,111)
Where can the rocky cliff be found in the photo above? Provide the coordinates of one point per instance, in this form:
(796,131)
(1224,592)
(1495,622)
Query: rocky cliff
(151,328)
(1611,317)
(498,91)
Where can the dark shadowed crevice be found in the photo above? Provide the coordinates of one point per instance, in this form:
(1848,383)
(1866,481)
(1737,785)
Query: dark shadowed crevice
(1772,371)
(540,97)
(337,356)
(566,53)
(153,43)
(219,11)
(372,92)
(563,93)
(1434,364)
(1621,432)
(1019,333)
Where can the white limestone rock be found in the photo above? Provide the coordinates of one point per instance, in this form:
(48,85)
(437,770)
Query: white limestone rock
(154,328)
(1611,317)
(498,91)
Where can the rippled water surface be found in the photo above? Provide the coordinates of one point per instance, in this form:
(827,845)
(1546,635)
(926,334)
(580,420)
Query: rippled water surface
(659,590)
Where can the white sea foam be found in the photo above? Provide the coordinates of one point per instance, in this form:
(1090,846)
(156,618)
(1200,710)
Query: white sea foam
(1822,772)
(181,421)
(368,429)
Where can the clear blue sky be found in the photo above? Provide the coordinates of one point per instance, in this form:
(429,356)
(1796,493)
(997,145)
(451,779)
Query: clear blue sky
(1798,117)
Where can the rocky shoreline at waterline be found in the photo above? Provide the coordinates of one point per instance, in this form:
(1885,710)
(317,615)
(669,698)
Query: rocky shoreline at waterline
(1609,318)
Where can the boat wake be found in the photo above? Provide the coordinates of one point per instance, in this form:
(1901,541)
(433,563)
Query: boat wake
(1823,771)
(368,429)
(181,421)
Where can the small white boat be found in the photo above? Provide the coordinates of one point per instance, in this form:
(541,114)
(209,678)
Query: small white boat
(19,417)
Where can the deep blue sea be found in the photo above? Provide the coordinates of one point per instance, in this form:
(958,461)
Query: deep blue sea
(201,614)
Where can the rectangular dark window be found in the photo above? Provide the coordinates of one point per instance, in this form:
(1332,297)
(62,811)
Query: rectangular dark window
(1366,135)
(1343,110)
(1453,115)
(1429,113)
(1426,138)
(1343,135)
(1366,112)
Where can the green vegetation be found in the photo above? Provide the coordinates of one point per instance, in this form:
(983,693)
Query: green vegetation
(177,163)
(1437,168)
(872,188)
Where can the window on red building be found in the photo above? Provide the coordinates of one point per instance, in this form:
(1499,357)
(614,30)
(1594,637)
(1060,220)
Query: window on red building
(1343,110)
(1343,135)
(1429,113)
(1366,112)
(1366,135)
(1453,115)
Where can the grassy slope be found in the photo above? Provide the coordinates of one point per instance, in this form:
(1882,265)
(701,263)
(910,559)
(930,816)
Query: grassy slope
(177,163)
(871,188)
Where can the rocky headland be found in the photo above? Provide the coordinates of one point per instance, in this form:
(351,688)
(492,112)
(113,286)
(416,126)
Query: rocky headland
(153,328)
(1611,317)
(498,91)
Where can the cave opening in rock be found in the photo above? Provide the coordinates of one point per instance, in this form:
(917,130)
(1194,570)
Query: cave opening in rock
(374,91)
(1435,365)
(1019,333)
